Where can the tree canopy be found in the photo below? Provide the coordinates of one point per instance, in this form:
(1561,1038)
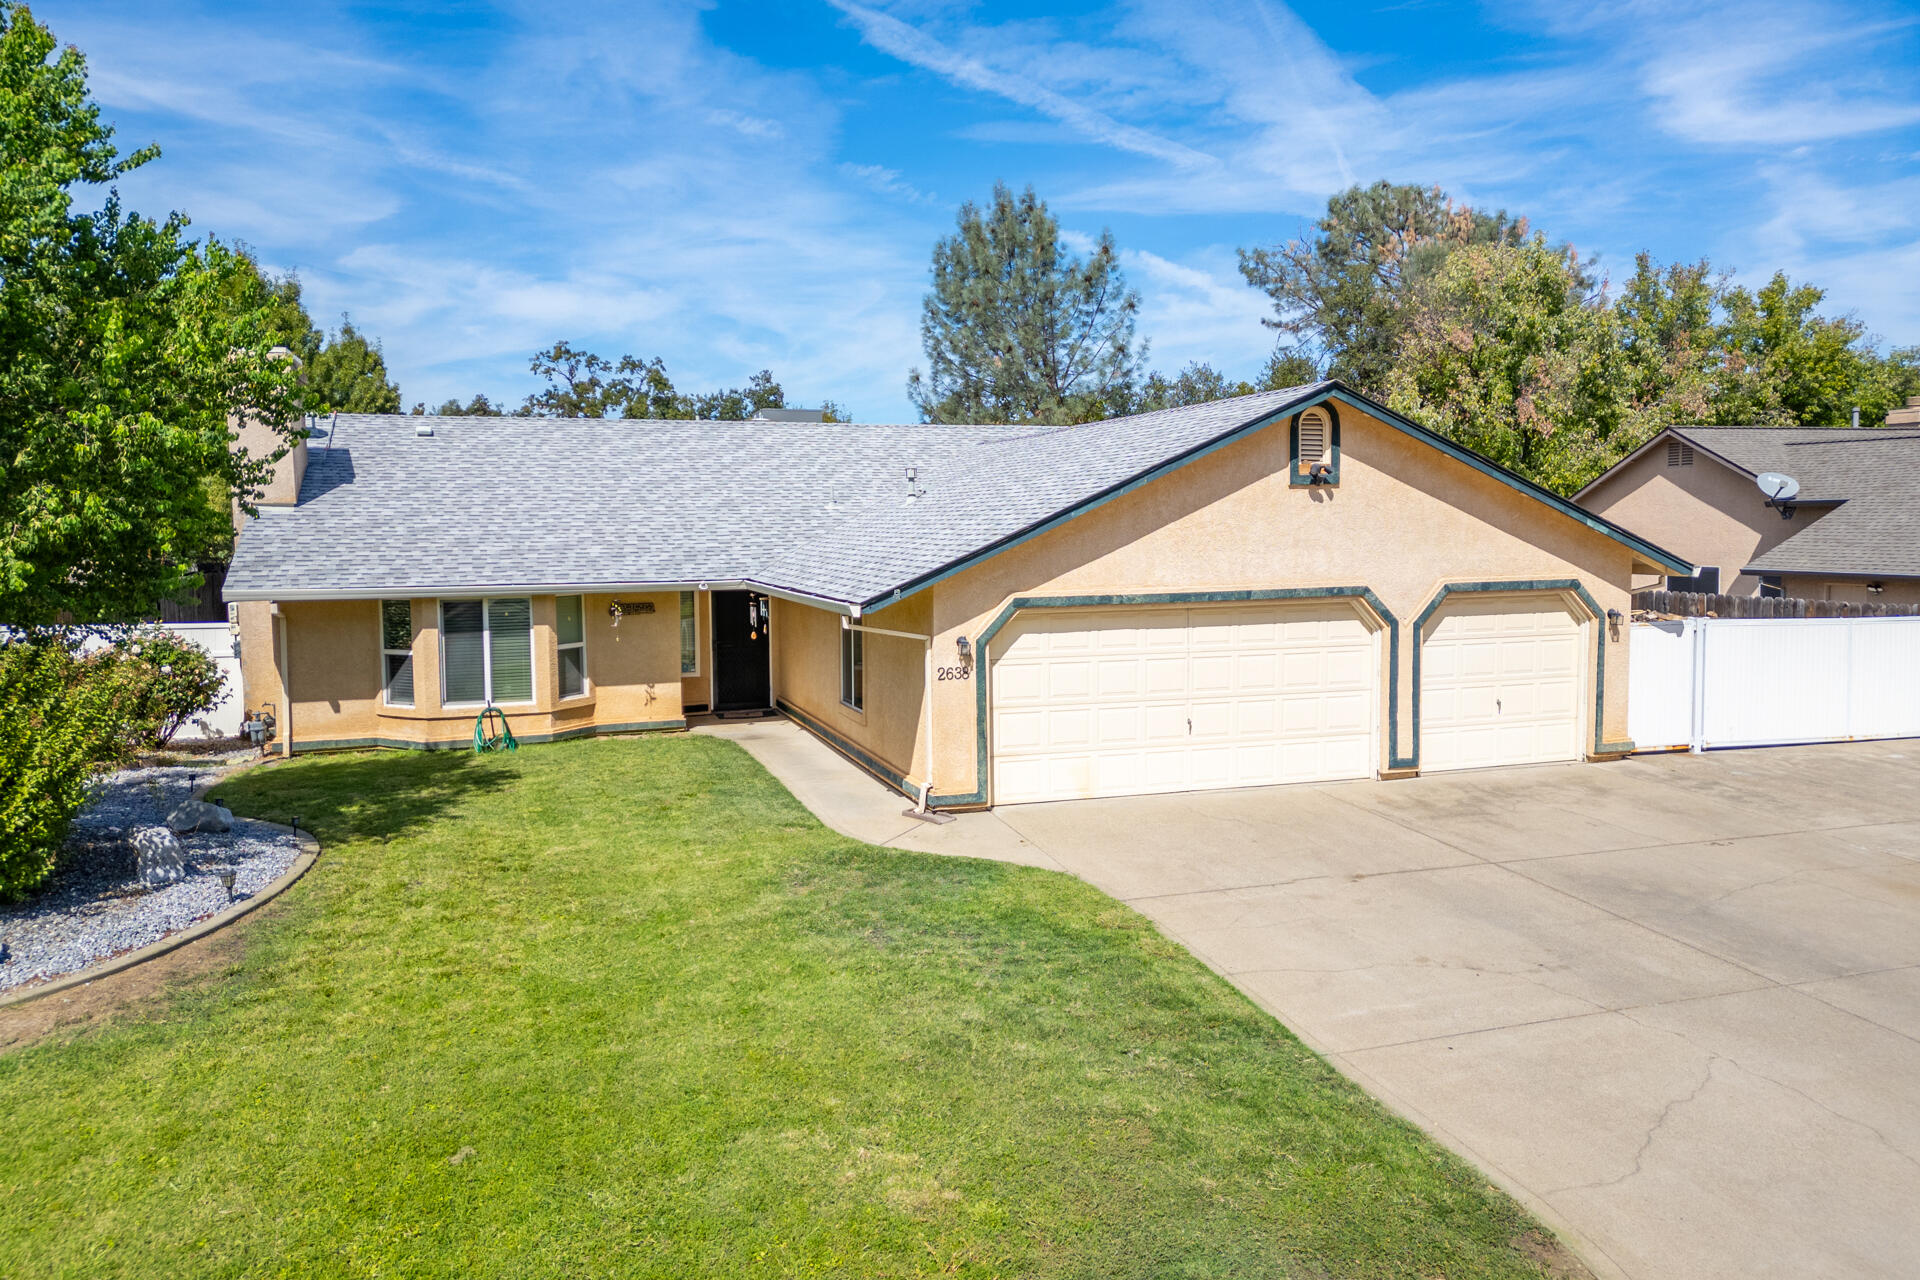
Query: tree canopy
(122,353)
(1018,329)
(1477,327)
(343,371)
(581,384)
(1347,288)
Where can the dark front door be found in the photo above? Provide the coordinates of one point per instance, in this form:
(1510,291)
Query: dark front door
(740,651)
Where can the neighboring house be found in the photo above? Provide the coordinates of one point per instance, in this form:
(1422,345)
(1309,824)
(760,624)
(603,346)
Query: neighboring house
(1292,586)
(1852,532)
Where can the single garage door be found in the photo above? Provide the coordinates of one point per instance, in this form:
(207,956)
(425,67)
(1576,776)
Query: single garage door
(1111,703)
(1500,683)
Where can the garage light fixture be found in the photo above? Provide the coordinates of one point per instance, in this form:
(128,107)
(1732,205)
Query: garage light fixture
(964,647)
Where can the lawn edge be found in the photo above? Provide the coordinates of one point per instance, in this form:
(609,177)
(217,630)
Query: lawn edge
(309,854)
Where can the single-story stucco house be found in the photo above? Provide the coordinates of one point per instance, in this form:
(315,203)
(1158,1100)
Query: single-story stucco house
(1850,532)
(1292,586)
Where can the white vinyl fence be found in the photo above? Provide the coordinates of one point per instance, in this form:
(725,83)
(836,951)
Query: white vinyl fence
(1702,683)
(215,637)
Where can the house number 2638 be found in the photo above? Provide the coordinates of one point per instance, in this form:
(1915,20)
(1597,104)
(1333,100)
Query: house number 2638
(953,673)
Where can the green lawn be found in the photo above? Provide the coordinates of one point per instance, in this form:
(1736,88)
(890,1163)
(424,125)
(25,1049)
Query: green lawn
(623,1007)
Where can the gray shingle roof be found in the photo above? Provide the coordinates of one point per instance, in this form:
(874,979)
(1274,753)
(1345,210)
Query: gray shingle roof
(817,509)
(1874,475)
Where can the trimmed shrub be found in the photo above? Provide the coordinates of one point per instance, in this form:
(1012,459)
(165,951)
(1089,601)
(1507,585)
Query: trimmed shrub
(58,722)
(168,681)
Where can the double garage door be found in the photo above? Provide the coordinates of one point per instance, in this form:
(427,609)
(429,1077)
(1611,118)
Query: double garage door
(1127,702)
(1107,702)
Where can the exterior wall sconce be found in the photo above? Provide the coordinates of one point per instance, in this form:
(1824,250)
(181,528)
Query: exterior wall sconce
(964,647)
(1875,588)
(1614,619)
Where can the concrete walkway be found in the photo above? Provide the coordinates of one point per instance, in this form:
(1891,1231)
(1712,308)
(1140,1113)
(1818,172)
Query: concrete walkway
(1672,1004)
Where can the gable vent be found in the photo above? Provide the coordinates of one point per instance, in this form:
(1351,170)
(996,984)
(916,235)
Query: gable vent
(1313,439)
(1678,454)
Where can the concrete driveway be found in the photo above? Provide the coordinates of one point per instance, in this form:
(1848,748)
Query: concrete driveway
(1672,1003)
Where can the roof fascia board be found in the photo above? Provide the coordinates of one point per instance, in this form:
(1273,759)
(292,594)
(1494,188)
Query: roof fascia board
(1635,456)
(1329,391)
(1756,569)
(295,595)
(1606,528)
(916,585)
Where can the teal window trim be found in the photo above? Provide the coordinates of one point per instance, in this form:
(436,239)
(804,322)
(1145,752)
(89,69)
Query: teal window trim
(983,655)
(1294,478)
(1570,586)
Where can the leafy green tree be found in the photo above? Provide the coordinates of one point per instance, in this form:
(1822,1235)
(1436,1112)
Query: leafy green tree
(1670,341)
(348,374)
(478,407)
(1508,354)
(121,357)
(581,384)
(1017,329)
(1347,288)
(1196,384)
(1289,366)
(1785,363)
(736,403)
(343,371)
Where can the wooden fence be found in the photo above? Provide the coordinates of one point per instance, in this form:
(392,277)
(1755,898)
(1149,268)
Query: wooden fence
(1694,604)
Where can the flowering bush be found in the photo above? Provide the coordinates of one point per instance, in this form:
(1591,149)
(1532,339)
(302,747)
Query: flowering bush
(168,681)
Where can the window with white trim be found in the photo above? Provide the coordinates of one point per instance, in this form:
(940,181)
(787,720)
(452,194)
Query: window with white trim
(853,668)
(486,651)
(689,637)
(396,652)
(570,628)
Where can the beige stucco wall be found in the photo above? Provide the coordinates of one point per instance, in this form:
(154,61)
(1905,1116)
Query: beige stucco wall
(1707,513)
(806,678)
(1853,590)
(1404,521)
(330,651)
(259,441)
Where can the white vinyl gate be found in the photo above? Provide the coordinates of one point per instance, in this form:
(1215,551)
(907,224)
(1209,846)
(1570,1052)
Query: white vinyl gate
(1702,683)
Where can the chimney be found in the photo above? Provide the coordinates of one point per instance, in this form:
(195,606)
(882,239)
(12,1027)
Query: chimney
(282,488)
(1909,416)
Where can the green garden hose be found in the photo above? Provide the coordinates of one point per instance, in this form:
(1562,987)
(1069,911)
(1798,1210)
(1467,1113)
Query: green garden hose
(494,735)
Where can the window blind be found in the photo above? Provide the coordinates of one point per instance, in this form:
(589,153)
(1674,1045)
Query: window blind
(510,641)
(463,629)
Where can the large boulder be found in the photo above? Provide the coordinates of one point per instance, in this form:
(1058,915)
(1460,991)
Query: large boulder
(198,815)
(158,857)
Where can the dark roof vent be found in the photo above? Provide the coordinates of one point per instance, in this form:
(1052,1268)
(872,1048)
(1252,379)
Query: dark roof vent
(790,415)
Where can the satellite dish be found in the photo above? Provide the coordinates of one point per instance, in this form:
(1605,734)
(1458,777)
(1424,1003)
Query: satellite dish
(1777,487)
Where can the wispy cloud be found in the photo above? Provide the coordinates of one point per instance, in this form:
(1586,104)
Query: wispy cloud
(887,182)
(910,44)
(645,177)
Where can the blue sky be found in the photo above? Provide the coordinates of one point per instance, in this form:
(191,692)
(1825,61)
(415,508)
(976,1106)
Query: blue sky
(743,185)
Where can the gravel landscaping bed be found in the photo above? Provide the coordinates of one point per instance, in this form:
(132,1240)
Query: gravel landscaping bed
(94,907)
